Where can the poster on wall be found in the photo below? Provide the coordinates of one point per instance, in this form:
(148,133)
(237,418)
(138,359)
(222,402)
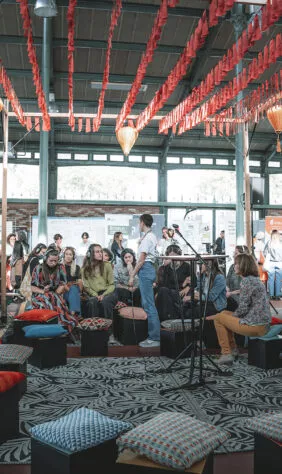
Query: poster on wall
(71,228)
(272,223)
(128,224)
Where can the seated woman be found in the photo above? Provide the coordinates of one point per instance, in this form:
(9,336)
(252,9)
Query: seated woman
(170,291)
(122,272)
(98,282)
(108,256)
(48,283)
(33,260)
(16,263)
(251,318)
(74,284)
(233,281)
(214,298)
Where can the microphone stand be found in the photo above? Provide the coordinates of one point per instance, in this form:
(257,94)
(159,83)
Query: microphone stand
(201,382)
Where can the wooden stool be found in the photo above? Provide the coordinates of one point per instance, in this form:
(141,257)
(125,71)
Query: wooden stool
(130,463)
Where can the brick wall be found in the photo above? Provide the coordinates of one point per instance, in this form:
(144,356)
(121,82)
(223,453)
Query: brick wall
(21,214)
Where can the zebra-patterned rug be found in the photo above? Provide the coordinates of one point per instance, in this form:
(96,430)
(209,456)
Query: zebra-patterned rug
(129,389)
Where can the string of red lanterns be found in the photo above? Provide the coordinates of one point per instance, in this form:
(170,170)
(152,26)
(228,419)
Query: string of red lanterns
(114,20)
(71,30)
(234,55)
(31,51)
(147,58)
(11,95)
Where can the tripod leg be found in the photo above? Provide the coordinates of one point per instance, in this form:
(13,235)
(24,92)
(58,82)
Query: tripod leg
(273,307)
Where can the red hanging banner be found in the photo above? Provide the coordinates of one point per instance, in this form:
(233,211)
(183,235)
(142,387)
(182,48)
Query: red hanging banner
(226,64)
(114,19)
(11,95)
(147,57)
(31,51)
(71,28)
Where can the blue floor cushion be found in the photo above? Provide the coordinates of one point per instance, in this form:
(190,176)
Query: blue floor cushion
(82,429)
(44,330)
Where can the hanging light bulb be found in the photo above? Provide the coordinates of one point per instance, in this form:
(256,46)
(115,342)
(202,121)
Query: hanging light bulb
(274,115)
(45,8)
(127,136)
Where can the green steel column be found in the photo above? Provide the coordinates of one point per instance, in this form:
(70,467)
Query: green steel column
(162,189)
(238,19)
(264,212)
(44,136)
(52,183)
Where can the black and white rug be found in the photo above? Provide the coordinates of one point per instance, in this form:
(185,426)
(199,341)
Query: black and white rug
(126,389)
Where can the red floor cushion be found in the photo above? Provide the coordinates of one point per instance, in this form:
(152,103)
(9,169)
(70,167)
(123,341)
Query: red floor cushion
(133,313)
(9,380)
(39,315)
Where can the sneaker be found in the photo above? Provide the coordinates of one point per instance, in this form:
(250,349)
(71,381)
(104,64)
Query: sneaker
(235,353)
(149,343)
(113,341)
(225,359)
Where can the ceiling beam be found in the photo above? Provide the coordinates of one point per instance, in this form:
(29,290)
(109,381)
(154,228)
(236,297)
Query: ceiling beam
(97,44)
(91,76)
(126,7)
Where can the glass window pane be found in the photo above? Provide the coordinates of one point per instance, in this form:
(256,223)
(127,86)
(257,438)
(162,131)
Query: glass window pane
(81,156)
(100,157)
(23,155)
(254,163)
(173,159)
(275,186)
(274,164)
(196,227)
(222,162)
(116,158)
(37,155)
(23,181)
(206,161)
(107,183)
(197,186)
(188,161)
(135,159)
(151,159)
(64,156)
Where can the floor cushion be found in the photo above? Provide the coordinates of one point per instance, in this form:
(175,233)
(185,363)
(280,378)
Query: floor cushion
(46,330)
(269,425)
(176,324)
(14,353)
(40,315)
(79,430)
(9,379)
(130,312)
(94,324)
(173,440)
(271,334)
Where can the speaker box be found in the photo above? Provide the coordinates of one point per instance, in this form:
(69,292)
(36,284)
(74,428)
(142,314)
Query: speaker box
(257,190)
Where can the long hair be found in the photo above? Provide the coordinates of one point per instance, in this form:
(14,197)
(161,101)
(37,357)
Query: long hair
(22,237)
(214,269)
(242,249)
(51,252)
(124,252)
(17,253)
(9,236)
(73,263)
(247,265)
(90,263)
(116,237)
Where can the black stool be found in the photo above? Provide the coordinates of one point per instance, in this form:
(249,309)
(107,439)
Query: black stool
(172,343)
(265,353)
(49,352)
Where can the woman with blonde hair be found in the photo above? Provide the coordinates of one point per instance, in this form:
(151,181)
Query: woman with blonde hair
(251,318)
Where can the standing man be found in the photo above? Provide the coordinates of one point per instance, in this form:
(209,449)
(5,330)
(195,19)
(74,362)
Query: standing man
(219,247)
(147,254)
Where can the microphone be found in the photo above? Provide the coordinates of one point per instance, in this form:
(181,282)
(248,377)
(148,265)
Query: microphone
(175,226)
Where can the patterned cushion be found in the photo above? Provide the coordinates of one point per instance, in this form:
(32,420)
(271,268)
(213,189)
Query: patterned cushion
(79,430)
(40,315)
(269,425)
(12,353)
(120,304)
(176,324)
(173,439)
(133,313)
(45,330)
(9,380)
(271,334)
(95,324)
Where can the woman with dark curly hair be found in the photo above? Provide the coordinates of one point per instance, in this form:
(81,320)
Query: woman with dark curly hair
(122,272)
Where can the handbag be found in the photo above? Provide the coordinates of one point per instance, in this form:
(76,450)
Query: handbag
(266,263)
